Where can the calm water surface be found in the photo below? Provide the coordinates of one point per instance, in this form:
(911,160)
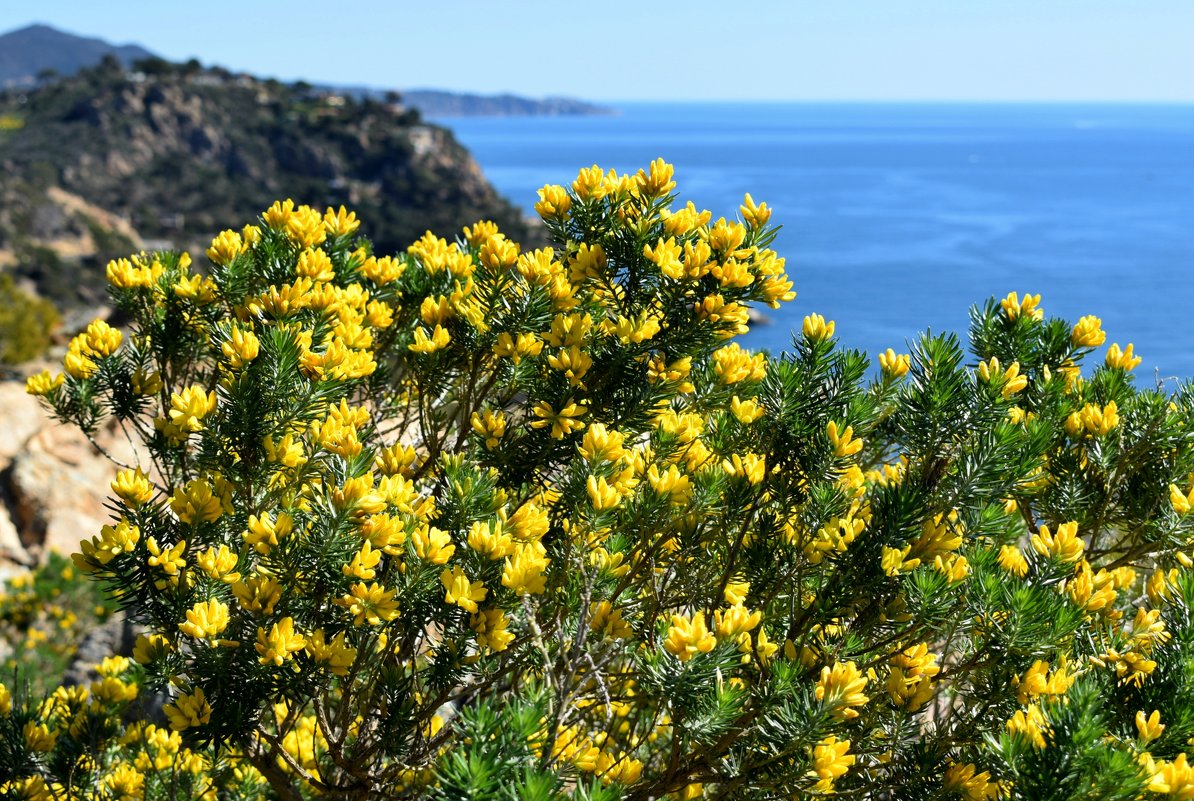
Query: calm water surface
(896,218)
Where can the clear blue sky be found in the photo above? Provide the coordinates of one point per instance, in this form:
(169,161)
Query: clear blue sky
(1139,50)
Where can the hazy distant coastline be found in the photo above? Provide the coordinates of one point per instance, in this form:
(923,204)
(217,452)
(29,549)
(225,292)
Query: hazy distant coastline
(436,103)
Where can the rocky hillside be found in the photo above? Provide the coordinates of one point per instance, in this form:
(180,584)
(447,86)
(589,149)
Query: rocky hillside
(166,155)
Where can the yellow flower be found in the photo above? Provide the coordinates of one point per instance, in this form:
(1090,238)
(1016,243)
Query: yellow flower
(460,591)
(894,364)
(1181,502)
(726,238)
(840,689)
(334,653)
(205,619)
(146,384)
(1012,560)
(490,626)
(364,562)
(568,330)
(658,182)
(528,523)
(1122,359)
(1149,728)
(132,487)
(1065,545)
(276,646)
(490,540)
(124,783)
(732,364)
(340,222)
(746,411)
(971,786)
(1037,681)
(751,467)
(1013,307)
(432,545)
(524,570)
(369,603)
(1175,779)
(816,329)
(573,363)
(263,533)
(423,343)
(831,760)
(844,443)
(123,274)
(43,383)
(622,769)
(196,287)
(563,422)
(302,225)
(953,566)
(1031,724)
(198,503)
(670,483)
(111,543)
(1088,333)
(601,494)
(38,736)
(170,559)
(188,710)
(1092,420)
(666,256)
(588,264)
(241,347)
(286,451)
(218,564)
(608,621)
(188,408)
(756,216)
(590,183)
(78,365)
(498,253)
(101,339)
(554,202)
(517,349)
(5,700)
(258,594)
(910,683)
(1009,381)
(225,247)
(687,637)
(149,648)
(735,621)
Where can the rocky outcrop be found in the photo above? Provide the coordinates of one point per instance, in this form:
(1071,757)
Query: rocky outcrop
(165,156)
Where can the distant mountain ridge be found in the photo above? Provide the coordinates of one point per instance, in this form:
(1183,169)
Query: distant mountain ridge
(32,51)
(39,50)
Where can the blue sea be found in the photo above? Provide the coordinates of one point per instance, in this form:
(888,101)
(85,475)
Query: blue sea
(898,217)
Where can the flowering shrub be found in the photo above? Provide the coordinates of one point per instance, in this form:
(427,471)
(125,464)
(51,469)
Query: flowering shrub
(470,522)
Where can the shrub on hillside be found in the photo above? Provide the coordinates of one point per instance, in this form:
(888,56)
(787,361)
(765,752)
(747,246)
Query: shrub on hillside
(26,323)
(470,522)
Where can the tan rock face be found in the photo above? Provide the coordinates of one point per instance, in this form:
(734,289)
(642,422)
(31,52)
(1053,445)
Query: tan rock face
(54,483)
(20,418)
